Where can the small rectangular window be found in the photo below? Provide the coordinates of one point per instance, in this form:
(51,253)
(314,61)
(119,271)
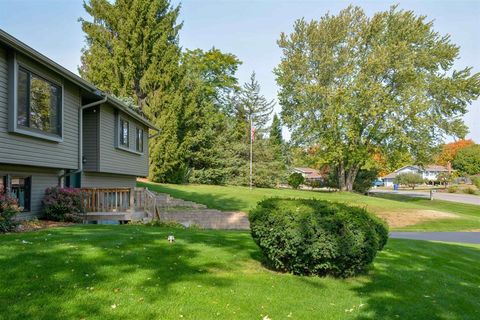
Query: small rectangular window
(38,103)
(20,189)
(124,133)
(139,140)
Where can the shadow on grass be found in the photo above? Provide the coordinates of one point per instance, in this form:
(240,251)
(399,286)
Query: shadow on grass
(96,271)
(423,280)
(213,201)
(77,272)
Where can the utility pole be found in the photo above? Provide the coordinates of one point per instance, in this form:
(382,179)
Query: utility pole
(251,152)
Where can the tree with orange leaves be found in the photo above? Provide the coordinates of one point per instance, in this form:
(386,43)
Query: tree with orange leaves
(450,150)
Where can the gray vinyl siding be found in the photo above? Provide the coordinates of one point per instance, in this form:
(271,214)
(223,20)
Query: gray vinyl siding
(113,159)
(106,180)
(90,139)
(42,178)
(24,150)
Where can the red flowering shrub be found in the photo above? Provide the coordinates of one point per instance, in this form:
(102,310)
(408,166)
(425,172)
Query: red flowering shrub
(63,204)
(8,209)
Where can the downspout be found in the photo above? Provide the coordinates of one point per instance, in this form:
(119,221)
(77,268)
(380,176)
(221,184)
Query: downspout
(154,135)
(80,136)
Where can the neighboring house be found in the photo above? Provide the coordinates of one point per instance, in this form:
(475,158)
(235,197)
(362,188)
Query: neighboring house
(56,129)
(428,173)
(309,174)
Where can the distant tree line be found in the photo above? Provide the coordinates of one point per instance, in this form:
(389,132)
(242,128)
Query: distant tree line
(361,95)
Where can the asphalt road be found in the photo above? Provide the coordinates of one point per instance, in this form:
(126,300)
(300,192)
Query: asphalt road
(454,197)
(464,237)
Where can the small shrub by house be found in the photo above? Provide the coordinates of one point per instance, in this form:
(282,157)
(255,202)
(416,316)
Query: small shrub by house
(314,237)
(62,204)
(8,210)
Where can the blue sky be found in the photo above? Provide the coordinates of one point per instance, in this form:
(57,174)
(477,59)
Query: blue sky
(248,29)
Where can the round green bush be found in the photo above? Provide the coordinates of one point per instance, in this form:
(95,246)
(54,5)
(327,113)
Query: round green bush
(314,237)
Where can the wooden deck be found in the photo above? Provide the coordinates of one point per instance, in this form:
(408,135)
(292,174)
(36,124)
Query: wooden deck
(121,204)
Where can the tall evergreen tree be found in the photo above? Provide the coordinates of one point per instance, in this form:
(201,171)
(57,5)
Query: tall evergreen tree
(132,50)
(276,131)
(207,148)
(248,104)
(254,105)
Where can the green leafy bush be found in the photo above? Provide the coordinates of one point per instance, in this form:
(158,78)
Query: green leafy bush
(470,190)
(295,180)
(63,204)
(8,210)
(476,181)
(452,189)
(409,179)
(170,224)
(364,180)
(314,237)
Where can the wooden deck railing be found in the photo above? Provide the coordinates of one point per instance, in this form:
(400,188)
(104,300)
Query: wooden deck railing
(108,199)
(121,200)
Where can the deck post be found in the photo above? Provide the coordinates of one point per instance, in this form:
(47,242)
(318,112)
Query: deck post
(132,199)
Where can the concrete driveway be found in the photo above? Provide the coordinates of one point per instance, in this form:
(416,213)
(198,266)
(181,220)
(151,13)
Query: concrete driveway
(454,197)
(463,237)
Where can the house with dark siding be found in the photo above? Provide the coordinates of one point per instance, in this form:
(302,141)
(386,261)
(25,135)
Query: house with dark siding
(56,129)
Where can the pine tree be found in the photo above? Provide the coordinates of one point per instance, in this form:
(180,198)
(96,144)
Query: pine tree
(248,104)
(254,105)
(132,50)
(276,131)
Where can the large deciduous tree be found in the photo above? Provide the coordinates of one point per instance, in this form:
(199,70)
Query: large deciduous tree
(467,160)
(357,85)
(450,150)
(211,79)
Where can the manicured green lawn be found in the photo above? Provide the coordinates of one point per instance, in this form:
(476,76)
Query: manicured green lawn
(234,198)
(132,272)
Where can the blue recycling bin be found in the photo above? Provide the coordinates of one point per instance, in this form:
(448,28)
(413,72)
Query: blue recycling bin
(395,187)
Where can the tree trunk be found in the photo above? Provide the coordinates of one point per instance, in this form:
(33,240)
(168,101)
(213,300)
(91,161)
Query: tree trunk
(341,176)
(350,178)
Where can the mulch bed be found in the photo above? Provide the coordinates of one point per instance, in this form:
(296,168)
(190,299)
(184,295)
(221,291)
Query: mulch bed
(34,225)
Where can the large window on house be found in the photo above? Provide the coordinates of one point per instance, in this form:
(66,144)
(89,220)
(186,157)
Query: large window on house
(39,103)
(139,140)
(124,133)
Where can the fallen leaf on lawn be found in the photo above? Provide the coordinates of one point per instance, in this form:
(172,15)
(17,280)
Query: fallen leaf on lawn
(113,306)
